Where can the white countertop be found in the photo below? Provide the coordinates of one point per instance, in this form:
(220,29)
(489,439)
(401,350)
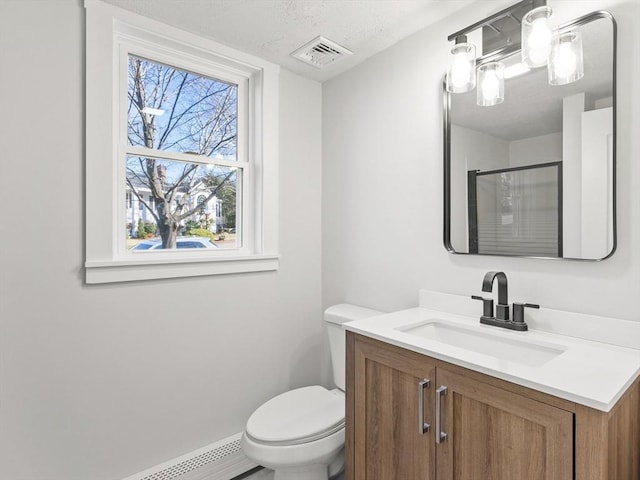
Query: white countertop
(587,372)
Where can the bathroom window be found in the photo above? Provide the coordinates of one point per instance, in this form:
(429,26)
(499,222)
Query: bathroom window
(181,142)
(182,147)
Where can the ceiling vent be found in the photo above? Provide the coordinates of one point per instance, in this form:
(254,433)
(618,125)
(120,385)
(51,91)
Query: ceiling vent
(321,52)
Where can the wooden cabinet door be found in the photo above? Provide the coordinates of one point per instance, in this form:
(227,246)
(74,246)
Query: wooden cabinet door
(493,434)
(388,441)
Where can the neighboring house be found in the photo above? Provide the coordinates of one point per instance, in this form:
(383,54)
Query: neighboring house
(211,210)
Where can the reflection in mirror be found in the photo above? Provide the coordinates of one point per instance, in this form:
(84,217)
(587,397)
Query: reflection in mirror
(535,175)
(516,211)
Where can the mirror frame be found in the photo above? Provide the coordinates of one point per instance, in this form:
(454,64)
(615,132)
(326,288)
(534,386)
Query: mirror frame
(494,56)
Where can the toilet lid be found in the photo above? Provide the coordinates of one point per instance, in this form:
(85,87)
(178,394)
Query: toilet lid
(298,416)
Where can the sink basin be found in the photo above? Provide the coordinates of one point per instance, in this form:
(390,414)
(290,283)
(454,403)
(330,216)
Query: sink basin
(495,345)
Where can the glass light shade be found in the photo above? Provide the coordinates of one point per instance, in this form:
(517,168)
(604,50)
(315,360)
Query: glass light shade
(461,76)
(490,84)
(536,37)
(565,62)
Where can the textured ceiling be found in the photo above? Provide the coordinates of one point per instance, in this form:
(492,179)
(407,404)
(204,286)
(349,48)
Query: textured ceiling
(272,29)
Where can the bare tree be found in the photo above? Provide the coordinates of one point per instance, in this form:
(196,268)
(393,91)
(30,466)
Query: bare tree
(175,110)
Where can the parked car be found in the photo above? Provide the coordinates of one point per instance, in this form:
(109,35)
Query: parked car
(181,242)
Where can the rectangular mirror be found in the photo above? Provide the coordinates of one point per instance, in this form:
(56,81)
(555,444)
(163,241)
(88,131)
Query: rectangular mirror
(534,176)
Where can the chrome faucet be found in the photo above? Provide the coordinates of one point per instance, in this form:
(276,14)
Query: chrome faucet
(501,318)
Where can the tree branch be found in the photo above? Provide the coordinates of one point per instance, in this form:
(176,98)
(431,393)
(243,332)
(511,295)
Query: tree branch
(209,197)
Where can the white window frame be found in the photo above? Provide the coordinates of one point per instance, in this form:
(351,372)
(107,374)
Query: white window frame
(111,35)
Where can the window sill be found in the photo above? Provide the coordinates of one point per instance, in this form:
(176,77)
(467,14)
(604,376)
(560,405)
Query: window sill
(129,270)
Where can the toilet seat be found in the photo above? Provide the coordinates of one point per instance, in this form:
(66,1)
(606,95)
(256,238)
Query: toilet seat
(296,417)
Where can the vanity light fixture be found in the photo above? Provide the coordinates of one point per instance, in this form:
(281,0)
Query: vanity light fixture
(523,26)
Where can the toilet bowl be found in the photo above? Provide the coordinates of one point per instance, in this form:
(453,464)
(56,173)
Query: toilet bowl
(300,434)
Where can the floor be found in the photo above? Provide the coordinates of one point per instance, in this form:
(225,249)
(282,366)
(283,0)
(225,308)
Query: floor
(257,474)
(266,474)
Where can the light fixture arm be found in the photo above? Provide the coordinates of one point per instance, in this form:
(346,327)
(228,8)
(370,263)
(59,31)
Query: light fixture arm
(507,12)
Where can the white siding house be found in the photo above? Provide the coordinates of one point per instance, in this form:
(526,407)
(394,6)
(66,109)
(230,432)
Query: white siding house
(210,213)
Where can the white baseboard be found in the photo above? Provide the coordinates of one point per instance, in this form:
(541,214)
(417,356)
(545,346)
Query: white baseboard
(222,460)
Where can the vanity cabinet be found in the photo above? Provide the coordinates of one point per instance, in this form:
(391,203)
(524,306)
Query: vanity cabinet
(399,402)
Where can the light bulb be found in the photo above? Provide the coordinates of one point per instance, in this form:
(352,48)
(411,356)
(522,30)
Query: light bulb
(490,87)
(536,36)
(490,84)
(460,70)
(566,62)
(461,76)
(539,41)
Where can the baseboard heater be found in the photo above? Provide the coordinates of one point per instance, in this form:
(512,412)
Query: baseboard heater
(221,460)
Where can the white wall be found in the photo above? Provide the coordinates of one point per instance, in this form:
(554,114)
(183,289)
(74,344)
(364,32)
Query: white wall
(534,150)
(472,150)
(572,109)
(382,138)
(99,382)
(597,152)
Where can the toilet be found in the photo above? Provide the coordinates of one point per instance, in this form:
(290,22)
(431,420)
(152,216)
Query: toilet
(300,434)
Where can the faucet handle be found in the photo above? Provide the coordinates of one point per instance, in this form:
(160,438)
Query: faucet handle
(487,306)
(518,311)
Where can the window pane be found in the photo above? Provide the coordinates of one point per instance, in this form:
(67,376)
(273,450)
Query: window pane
(198,202)
(172,109)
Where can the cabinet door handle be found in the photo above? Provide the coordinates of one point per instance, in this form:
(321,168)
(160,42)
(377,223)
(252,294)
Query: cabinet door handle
(423,427)
(440,435)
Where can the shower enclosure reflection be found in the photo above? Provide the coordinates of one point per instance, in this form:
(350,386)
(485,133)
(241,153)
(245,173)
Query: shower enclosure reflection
(517,211)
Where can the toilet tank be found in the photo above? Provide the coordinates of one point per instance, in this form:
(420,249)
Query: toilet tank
(335,316)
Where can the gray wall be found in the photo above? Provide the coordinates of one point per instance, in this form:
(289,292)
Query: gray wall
(382,182)
(97,383)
